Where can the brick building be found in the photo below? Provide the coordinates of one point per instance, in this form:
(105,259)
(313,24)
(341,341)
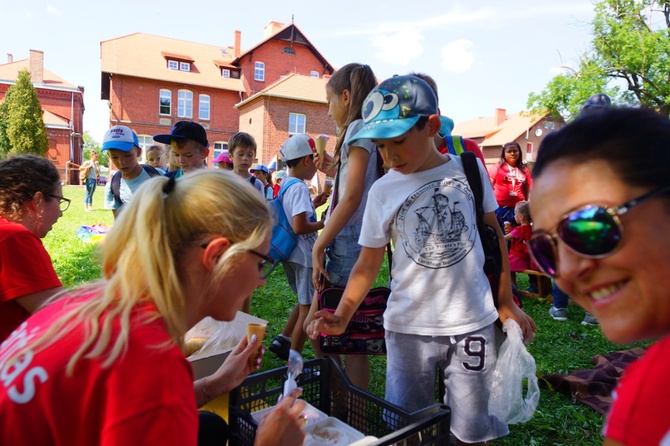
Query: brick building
(151,82)
(63,105)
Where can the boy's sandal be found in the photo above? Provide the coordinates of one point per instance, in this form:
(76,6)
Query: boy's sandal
(280,346)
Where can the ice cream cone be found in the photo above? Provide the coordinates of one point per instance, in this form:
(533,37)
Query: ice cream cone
(255,329)
(320,143)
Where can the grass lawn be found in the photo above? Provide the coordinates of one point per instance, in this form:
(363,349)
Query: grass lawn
(560,347)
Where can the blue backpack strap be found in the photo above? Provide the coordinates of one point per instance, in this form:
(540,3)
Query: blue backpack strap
(285,186)
(455,144)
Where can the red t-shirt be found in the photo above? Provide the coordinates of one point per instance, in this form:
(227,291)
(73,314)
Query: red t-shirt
(510,185)
(519,257)
(639,414)
(145,397)
(25,268)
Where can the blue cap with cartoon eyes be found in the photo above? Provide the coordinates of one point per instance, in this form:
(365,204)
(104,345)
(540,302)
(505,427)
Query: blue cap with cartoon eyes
(394,106)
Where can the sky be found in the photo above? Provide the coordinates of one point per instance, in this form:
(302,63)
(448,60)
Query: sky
(484,55)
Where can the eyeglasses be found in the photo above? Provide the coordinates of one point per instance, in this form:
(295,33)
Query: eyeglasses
(63,202)
(591,231)
(266,266)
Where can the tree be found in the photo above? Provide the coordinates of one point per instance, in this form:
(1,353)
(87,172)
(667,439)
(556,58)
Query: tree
(22,127)
(91,144)
(629,60)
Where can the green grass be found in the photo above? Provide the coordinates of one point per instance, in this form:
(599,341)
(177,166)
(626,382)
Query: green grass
(559,347)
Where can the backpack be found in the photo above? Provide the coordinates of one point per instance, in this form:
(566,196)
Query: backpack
(284,240)
(487,234)
(455,144)
(116,182)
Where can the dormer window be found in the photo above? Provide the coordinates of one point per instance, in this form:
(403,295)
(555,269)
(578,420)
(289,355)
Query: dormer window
(314,74)
(173,65)
(178,62)
(225,72)
(184,66)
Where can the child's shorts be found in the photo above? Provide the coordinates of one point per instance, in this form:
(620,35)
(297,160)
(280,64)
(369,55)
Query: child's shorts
(467,363)
(300,280)
(342,254)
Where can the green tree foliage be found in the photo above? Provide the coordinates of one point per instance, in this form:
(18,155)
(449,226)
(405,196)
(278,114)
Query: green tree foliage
(629,60)
(22,127)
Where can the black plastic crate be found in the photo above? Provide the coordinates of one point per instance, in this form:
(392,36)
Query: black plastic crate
(326,387)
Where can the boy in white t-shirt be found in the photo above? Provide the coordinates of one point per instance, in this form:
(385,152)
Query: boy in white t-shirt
(440,312)
(298,152)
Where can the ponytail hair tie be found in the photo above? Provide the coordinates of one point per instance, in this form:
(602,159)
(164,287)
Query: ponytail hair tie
(169,186)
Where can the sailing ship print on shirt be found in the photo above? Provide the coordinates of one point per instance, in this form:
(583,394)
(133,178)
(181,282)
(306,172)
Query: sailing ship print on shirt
(432,225)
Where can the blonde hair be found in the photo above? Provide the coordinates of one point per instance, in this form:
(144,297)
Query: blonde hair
(523,209)
(141,257)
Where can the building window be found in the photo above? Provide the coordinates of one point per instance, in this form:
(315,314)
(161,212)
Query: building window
(288,50)
(173,65)
(314,74)
(185,104)
(184,66)
(203,107)
(296,123)
(225,72)
(259,72)
(146,141)
(165,103)
(219,147)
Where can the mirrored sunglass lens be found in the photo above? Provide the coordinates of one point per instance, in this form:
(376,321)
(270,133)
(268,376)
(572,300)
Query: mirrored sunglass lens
(543,252)
(590,231)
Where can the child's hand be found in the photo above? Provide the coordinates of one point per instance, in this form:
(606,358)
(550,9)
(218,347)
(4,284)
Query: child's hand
(320,199)
(325,322)
(325,164)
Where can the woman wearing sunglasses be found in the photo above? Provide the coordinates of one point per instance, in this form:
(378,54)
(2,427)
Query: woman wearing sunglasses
(601,206)
(104,365)
(31,201)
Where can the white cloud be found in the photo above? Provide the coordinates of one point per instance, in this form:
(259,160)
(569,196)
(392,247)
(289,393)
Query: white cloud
(52,10)
(399,47)
(458,56)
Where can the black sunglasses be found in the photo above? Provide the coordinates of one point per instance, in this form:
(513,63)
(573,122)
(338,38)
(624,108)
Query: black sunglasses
(590,231)
(63,202)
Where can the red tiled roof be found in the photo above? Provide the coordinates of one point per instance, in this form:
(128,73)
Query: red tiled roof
(508,130)
(294,86)
(10,71)
(143,55)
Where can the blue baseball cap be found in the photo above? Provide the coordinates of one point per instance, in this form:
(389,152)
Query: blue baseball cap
(260,167)
(121,138)
(394,106)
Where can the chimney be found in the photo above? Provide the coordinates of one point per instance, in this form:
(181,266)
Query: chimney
(500,116)
(10,58)
(238,43)
(271,29)
(37,66)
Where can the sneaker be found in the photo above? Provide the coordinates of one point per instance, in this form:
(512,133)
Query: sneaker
(559,314)
(280,346)
(589,319)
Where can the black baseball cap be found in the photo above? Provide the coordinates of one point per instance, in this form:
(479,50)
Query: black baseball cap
(185,130)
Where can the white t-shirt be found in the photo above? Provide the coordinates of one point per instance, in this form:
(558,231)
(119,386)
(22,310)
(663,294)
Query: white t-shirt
(297,200)
(438,285)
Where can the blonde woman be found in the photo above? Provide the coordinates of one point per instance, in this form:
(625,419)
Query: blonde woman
(104,365)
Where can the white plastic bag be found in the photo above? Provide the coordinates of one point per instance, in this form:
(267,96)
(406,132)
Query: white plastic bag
(515,367)
(220,335)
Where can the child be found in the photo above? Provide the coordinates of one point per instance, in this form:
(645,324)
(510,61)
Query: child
(123,149)
(223,162)
(277,177)
(441,310)
(356,168)
(519,258)
(298,152)
(242,150)
(156,158)
(262,174)
(189,146)
(184,250)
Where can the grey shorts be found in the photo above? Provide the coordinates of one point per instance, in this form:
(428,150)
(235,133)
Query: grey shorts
(300,280)
(342,254)
(467,363)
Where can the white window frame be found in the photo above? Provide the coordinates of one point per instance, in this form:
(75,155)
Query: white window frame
(297,123)
(165,95)
(204,107)
(225,72)
(172,64)
(219,146)
(185,104)
(184,66)
(259,71)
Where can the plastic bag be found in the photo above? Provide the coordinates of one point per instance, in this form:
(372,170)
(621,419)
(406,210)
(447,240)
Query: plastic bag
(220,335)
(514,369)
